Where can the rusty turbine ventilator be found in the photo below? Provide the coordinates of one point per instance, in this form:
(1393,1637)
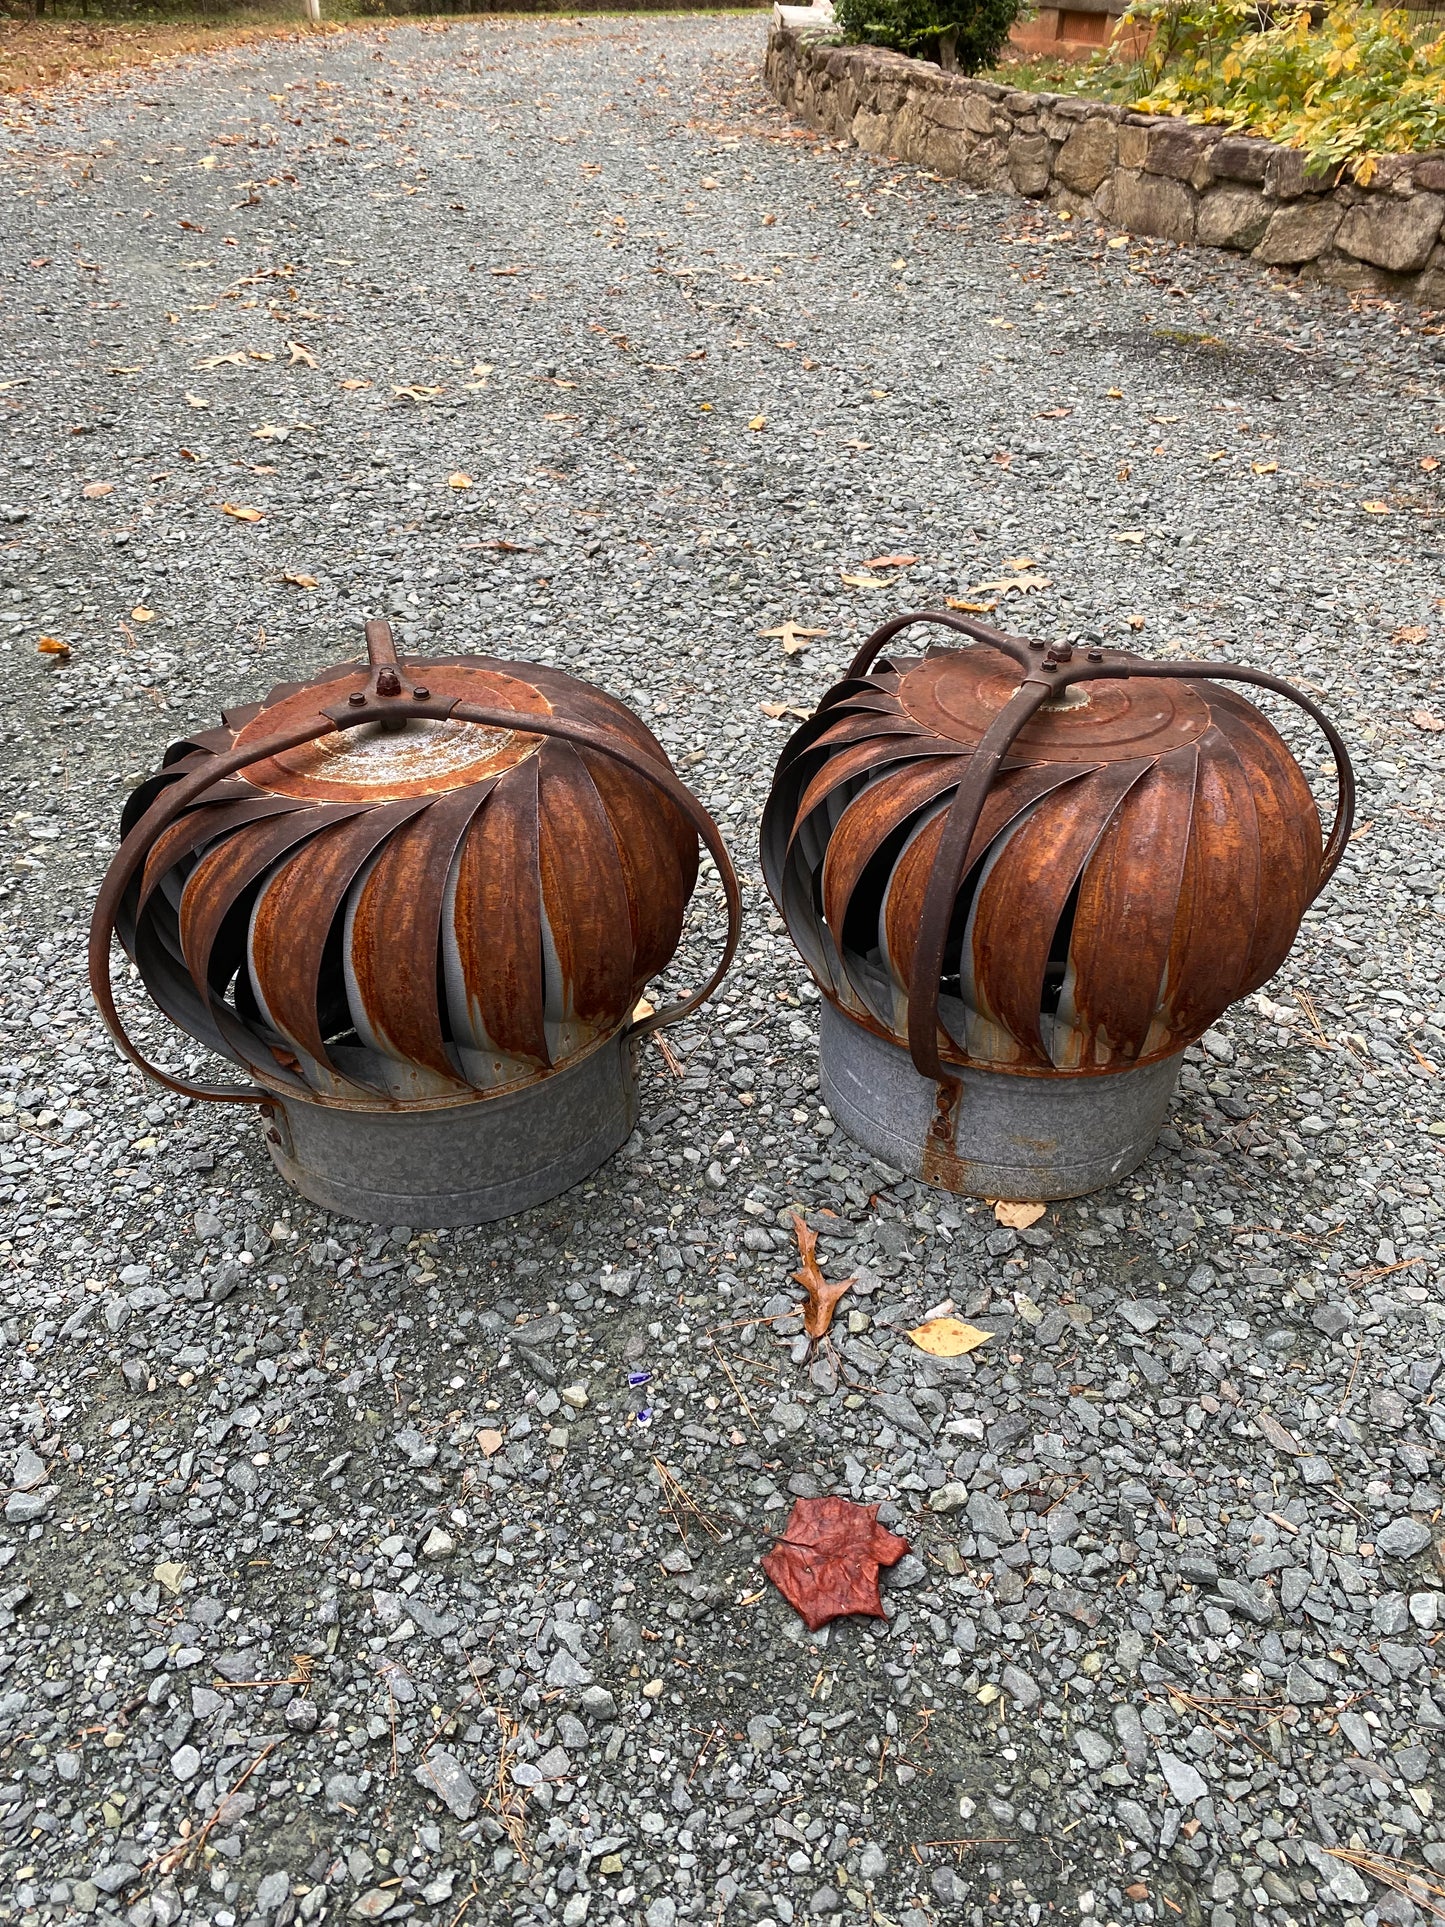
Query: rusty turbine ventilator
(1025,879)
(417,903)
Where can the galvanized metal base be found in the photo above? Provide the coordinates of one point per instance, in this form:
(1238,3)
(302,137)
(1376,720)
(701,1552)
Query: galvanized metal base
(1014,1137)
(434,1165)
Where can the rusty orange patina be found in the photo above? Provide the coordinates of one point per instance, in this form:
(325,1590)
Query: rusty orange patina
(408,881)
(1042,860)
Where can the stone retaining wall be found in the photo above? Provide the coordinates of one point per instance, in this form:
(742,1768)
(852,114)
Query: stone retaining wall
(1150,175)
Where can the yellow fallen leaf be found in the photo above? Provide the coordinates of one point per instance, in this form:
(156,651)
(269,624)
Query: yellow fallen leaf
(53,646)
(1375,508)
(141,614)
(169,1573)
(208,161)
(642,1010)
(1265,468)
(758,422)
(997,321)
(260,354)
(1018,1216)
(1114,394)
(1119,241)
(866,581)
(299,354)
(970,608)
(243,515)
(490,1441)
(299,581)
(353,384)
(458,479)
(94,490)
(948,1337)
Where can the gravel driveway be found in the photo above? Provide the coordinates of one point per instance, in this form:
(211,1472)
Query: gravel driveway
(339,1573)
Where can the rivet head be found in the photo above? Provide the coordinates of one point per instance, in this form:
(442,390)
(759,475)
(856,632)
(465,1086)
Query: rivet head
(421,694)
(356,698)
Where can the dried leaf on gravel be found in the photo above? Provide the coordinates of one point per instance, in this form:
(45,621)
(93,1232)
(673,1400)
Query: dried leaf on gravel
(196,401)
(94,490)
(300,581)
(141,614)
(300,355)
(822,1296)
(459,479)
(169,1573)
(490,1441)
(827,1562)
(890,562)
(237,358)
(969,608)
(353,382)
(758,423)
(792,635)
(865,581)
(1375,508)
(1016,1214)
(1427,720)
(1411,632)
(948,1337)
(1279,1436)
(242,514)
(776,710)
(53,646)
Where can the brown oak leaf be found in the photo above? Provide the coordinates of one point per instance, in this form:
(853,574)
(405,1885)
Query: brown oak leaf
(822,1297)
(826,1563)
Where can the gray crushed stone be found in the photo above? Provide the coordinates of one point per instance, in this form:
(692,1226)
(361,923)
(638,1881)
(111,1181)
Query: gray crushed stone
(336,1576)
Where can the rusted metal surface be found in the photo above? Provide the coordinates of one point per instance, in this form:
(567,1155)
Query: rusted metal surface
(1042,862)
(407,883)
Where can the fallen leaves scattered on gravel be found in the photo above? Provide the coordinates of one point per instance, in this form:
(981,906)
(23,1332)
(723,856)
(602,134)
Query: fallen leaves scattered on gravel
(1018,1216)
(826,1564)
(822,1296)
(948,1337)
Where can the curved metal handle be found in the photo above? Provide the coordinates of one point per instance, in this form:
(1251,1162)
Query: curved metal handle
(1047,676)
(1014,646)
(1338,839)
(170,805)
(944,878)
(677,793)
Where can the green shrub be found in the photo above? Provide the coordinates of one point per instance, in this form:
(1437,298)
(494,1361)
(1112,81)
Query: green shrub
(1343,80)
(961,35)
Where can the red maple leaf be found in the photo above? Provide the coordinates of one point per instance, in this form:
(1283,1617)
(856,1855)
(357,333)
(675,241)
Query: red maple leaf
(826,1563)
